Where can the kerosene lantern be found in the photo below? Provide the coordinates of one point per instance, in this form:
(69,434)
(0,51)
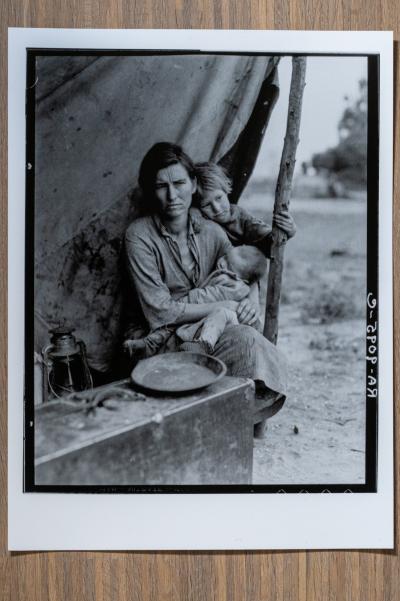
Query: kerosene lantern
(65,365)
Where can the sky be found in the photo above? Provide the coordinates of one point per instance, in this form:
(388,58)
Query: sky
(328,80)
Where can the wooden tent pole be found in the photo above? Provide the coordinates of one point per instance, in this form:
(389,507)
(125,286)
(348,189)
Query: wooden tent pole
(282,196)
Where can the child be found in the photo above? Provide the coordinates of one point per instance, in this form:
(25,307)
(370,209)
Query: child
(236,271)
(213,188)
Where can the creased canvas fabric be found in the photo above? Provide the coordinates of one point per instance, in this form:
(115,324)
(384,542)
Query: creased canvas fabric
(96,117)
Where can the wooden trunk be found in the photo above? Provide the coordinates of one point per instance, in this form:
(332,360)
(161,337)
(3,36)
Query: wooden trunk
(201,438)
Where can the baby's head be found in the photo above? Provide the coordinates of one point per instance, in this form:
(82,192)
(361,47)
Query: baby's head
(247,262)
(213,187)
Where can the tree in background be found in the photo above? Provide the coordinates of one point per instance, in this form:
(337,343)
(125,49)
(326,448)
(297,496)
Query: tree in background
(346,163)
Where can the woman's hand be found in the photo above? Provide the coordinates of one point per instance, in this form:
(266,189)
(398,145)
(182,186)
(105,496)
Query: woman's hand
(285,222)
(246,313)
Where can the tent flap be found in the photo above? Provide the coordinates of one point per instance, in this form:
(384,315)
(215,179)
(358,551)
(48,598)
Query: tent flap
(95,119)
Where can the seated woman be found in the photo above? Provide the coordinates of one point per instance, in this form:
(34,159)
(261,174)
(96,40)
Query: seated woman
(174,248)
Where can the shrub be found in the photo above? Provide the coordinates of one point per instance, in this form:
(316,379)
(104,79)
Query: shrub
(330,304)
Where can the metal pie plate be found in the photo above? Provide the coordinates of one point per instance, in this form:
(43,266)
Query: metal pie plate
(178,372)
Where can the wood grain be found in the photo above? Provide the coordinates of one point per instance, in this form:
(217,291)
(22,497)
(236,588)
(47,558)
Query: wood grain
(260,576)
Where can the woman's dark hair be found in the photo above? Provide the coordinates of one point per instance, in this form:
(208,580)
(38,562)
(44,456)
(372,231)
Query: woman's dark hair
(161,155)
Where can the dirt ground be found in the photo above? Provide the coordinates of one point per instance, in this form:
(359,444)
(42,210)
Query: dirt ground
(319,434)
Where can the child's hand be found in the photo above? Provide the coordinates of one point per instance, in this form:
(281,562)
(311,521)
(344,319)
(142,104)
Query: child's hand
(285,222)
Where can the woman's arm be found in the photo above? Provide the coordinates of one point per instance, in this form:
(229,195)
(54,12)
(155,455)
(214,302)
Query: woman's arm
(194,312)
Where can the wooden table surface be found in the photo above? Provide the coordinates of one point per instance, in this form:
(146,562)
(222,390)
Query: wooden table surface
(231,576)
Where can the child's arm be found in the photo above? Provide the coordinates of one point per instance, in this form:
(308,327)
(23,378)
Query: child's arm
(253,231)
(243,228)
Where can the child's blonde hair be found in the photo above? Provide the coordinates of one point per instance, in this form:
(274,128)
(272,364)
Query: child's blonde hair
(210,176)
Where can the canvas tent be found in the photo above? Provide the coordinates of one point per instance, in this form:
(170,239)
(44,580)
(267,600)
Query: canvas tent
(95,118)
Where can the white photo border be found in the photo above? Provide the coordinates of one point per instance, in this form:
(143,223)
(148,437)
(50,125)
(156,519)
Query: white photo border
(196,521)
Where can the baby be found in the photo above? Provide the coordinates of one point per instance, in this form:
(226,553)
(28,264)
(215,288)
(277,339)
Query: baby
(235,272)
(243,264)
(213,188)
(232,280)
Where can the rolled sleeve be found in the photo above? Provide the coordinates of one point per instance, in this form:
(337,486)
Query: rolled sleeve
(158,306)
(257,232)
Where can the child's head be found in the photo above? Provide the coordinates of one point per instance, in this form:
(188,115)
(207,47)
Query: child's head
(213,187)
(247,262)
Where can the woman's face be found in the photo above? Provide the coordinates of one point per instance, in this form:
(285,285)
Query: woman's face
(215,205)
(174,190)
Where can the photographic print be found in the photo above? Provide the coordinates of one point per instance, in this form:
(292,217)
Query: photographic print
(201,271)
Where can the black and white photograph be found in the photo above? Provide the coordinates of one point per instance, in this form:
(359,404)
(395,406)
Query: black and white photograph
(200,260)
(197,288)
